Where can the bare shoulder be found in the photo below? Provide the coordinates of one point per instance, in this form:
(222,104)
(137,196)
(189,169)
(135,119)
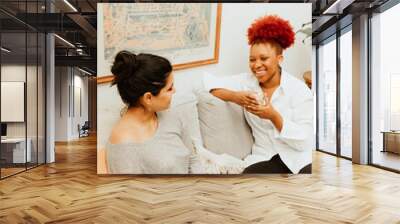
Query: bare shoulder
(121,132)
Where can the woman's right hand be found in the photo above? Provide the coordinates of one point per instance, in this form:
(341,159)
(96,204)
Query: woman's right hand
(245,98)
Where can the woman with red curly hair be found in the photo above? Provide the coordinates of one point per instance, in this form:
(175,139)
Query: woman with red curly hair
(278,107)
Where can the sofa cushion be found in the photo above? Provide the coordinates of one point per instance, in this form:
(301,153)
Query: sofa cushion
(223,126)
(186,114)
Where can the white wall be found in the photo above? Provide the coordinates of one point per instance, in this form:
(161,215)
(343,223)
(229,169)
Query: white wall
(14,73)
(80,82)
(66,119)
(61,103)
(234,53)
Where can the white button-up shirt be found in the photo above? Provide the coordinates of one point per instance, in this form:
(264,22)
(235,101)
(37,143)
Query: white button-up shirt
(294,102)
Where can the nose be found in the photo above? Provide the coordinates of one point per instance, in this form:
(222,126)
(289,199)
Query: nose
(257,64)
(173,90)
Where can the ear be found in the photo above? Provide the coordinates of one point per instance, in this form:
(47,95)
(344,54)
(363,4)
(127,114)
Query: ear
(147,98)
(280,58)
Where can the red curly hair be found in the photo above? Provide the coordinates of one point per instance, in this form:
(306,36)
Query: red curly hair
(269,28)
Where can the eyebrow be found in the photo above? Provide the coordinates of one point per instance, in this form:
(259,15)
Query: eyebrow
(262,55)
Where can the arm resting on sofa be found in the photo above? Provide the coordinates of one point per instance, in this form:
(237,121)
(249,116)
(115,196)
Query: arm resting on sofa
(241,98)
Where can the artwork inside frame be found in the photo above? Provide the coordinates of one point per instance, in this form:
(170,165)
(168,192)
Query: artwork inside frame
(187,34)
(157,119)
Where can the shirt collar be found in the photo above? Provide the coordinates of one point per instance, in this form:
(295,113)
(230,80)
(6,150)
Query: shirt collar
(284,84)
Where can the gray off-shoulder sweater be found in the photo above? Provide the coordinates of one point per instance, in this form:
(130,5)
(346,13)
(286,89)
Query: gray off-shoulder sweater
(164,153)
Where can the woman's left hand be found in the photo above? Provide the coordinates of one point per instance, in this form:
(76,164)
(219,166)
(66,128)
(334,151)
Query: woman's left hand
(266,111)
(262,111)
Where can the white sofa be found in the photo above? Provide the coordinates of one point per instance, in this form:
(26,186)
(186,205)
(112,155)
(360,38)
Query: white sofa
(220,126)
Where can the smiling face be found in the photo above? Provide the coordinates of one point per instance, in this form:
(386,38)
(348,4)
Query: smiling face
(264,60)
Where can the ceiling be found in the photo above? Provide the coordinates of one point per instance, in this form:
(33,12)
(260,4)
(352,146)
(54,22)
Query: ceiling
(76,22)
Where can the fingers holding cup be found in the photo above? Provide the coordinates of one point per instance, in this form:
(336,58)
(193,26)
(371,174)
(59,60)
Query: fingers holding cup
(251,100)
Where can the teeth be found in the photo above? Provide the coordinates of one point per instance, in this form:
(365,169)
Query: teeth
(260,72)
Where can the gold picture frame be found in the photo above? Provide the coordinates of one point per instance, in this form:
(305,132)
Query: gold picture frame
(190,64)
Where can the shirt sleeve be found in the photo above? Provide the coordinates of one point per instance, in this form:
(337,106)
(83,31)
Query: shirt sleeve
(297,129)
(233,82)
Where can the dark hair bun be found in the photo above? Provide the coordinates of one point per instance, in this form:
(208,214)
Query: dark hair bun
(134,75)
(124,66)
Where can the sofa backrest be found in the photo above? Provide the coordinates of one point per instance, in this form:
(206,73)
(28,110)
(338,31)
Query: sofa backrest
(223,126)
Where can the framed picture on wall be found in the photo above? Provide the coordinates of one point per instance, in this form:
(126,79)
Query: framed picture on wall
(12,101)
(186,34)
(153,120)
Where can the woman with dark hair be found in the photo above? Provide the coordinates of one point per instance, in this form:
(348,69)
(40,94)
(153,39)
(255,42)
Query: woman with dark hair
(278,107)
(145,84)
(144,140)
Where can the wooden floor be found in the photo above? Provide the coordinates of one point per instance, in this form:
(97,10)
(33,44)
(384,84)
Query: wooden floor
(5,172)
(10,171)
(70,191)
(387,159)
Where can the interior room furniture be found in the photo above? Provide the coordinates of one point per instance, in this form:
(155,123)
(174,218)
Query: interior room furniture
(84,129)
(13,150)
(391,141)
